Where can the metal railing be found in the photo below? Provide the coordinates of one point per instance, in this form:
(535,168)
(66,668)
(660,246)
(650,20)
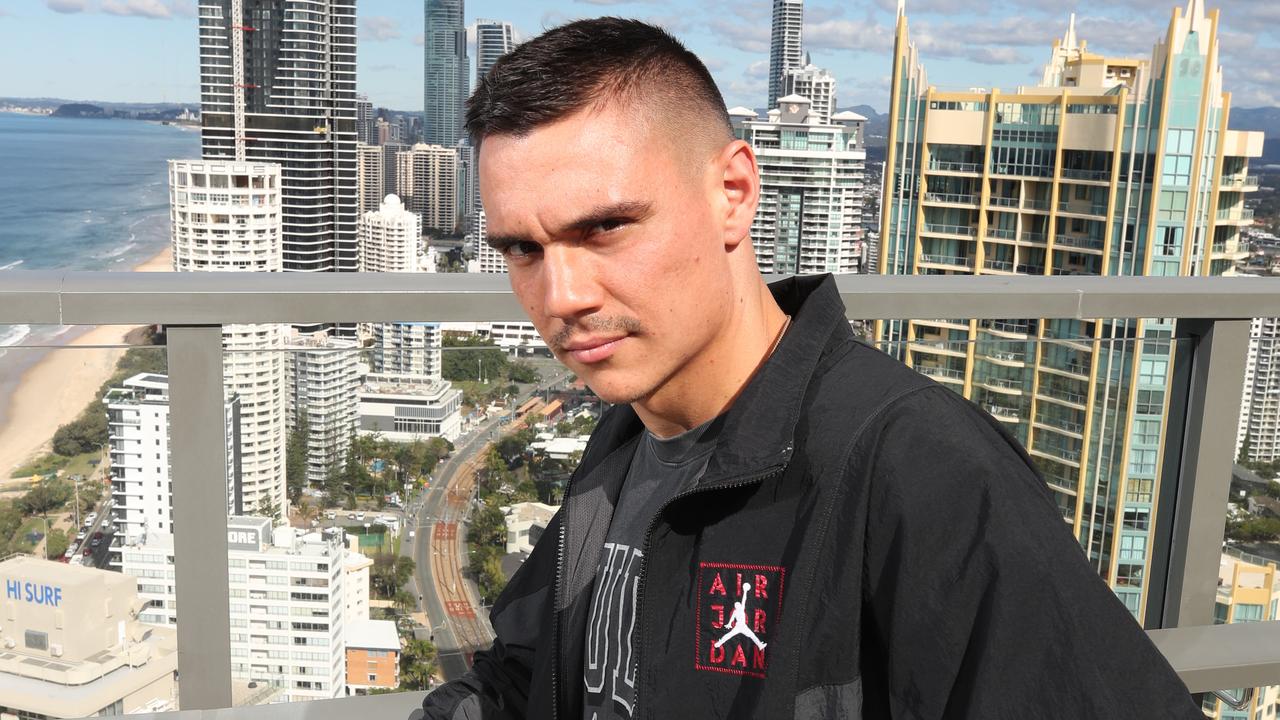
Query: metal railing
(1213,329)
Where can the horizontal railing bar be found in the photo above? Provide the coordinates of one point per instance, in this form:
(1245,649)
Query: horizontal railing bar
(1221,657)
(104,298)
(1211,657)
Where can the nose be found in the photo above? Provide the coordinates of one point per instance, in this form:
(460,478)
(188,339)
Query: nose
(571,286)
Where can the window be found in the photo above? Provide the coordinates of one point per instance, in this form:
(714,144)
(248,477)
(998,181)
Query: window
(1246,613)
(1150,402)
(1146,432)
(36,640)
(1133,548)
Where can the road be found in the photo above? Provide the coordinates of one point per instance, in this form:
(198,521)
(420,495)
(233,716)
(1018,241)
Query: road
(459,626)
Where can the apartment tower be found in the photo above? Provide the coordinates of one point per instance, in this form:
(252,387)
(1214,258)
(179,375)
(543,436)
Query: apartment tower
(1109,166)
(278,84)
(227,216)
(811,188)
(447,72)
(786,44)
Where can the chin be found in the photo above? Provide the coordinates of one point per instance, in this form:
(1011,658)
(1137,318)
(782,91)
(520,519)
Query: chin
(615,390)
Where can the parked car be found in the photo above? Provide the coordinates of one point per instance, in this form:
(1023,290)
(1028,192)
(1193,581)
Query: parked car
(96,542)
(88,551)
(71,551)
(330,515)
(80,536)
(97,535)
(360,517)
(90,519)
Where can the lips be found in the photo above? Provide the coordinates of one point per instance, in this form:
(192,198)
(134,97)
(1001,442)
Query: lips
(594,350)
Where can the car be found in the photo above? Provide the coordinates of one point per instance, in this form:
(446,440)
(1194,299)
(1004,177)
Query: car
(96,542)
(71,551)
(411,534)
(90,519)
(360,516)
(331,515)
(88,551)
(80,536)
(97,535)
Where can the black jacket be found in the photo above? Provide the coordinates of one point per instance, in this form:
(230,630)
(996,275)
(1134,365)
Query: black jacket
(905,560)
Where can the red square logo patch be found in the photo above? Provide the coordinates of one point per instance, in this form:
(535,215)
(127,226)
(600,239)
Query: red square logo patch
(737,608)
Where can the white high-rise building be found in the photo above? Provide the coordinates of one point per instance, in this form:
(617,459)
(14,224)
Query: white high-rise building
(494,38)
(141,482)
(1258,438)
(811,188)
(366,127)
(814,83)
(390,239)
(227,217)
(288,603)
(407,348)
(324,374)
(786,46)
(490,260)
(371,174)
(427,178)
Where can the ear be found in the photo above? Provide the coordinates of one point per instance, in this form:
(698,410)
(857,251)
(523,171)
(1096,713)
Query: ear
(740,183)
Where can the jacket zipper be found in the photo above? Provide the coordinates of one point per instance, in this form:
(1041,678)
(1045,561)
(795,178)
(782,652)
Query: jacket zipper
(555,611)
(644,558)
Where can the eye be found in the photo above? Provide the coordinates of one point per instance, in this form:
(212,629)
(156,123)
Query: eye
(609,225)
(520,250)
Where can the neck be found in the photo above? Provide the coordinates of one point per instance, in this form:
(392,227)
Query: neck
(710,381)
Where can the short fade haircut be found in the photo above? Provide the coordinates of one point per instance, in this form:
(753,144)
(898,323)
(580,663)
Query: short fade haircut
(588,64)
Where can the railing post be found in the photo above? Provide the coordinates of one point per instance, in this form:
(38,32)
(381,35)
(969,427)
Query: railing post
(1213,370)
(197,436)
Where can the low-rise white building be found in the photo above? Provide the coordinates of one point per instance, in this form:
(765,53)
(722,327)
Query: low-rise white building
(288,603)
(525,524)
(405,408)
(72,644)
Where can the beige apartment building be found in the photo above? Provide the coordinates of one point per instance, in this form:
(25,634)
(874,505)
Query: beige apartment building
(72,646)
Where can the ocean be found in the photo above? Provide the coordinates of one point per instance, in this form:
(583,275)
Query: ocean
(80,194)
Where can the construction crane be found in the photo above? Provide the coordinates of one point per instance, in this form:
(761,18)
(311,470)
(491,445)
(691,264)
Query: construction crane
(238,85)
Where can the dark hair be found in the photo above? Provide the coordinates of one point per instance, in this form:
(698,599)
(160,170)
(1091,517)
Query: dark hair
(590,62)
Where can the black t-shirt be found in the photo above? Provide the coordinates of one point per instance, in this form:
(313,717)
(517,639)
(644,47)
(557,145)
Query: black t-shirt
(660,469)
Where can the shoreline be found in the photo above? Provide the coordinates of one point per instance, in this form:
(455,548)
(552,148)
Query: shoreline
(58,386)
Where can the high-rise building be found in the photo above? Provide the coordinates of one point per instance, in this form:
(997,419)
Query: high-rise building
(427,178)
(388,133)
(324,373)
(404,408)
(226,217)
(1111,166)
(786,45)
(1258,438)
(372,175)
(494,38)
(815,84)
(366,123)
(390,239)
(1248,591)
(488,260)
(141,484)
(811,175)
(446,72)
(279,85)
(293,575)
(407,348)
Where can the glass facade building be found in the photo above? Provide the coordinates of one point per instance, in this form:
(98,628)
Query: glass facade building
(1109,166)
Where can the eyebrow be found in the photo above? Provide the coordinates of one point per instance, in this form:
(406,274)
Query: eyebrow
(629,209)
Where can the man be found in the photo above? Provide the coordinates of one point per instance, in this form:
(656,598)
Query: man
(774,521)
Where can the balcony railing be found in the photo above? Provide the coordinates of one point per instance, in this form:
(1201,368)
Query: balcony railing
(1240,214)
(951,198)
(1091,175)
(940,229)
(1213,332)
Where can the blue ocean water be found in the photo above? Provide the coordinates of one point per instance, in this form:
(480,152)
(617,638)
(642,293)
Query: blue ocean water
(83,194)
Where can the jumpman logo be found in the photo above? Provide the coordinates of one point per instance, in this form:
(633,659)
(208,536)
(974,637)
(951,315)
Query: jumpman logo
(737,624)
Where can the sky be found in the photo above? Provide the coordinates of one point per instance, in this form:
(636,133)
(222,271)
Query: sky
(145,50)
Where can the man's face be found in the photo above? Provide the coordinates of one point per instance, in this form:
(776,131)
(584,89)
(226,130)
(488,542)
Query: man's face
(615,244)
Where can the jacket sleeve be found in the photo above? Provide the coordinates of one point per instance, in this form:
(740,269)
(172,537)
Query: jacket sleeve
(979,602)
(500,680)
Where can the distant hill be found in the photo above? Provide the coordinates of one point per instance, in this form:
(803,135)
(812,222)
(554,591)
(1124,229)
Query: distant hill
(1267,121)
(79,110)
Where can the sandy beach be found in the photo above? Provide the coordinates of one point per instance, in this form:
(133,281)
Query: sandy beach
(59,386)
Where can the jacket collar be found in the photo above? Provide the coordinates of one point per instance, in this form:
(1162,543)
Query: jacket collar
(759,427)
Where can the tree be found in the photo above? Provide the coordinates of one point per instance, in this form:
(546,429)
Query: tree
(307,512)
(56,543)
(523,372)
(82,435)
(295,463)
(46,496)
(481,359)
(268,509)
(418,664)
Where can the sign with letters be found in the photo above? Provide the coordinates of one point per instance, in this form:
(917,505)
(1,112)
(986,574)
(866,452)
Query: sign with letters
(33,592)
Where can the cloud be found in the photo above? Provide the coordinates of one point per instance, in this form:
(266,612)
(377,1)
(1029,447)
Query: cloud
(67,6)
(614,2)
(378,28)
(842,34)
(752,38)
(153,9)
(419,40)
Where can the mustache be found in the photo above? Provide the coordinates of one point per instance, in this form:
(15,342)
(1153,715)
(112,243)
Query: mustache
(595,324)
